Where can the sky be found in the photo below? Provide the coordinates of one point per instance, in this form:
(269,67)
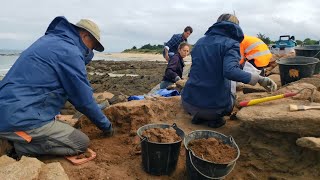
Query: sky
(128,23)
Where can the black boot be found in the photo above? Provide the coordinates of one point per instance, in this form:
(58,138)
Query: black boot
(197,120)
(217,123)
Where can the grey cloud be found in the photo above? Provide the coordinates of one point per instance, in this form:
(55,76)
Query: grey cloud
(125,23)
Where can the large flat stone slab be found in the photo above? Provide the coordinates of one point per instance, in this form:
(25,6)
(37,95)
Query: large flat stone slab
(6,160)
(53,171)
(27,168)
(275,116)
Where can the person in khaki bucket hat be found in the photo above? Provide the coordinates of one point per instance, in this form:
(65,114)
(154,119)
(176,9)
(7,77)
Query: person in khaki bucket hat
(94,30)
(47,74)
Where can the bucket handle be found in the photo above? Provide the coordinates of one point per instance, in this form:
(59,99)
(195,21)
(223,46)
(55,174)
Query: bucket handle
(208,177)
(174,126)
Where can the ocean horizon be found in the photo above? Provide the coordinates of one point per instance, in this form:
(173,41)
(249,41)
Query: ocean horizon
(9,57)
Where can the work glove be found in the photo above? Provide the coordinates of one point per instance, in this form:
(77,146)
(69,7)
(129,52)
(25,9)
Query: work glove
(267,83)
(109,132)
(177,78)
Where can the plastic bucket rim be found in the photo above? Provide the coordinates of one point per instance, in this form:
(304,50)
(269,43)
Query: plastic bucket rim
(237,147)
(142,137)
(309,63)
(308,48)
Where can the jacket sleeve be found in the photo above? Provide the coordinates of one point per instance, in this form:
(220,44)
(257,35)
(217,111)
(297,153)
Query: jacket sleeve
(231,67)
(172,42)
(73,77)
(171,68)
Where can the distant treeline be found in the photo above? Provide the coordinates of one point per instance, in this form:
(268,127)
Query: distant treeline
(148,48)
(157,49)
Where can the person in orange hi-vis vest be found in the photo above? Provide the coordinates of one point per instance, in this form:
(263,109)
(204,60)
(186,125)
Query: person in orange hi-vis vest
(255,51)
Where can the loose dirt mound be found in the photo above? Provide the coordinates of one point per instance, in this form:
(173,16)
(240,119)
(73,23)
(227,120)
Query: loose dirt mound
(161,135)
(213,150)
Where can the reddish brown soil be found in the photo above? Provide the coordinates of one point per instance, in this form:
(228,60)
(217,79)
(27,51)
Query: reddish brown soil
(213,150)
(161,135)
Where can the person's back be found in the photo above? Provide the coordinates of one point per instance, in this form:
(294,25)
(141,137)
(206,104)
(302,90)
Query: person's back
(30,90)
(47,74)
(209,94)
(207,85)
(255,51)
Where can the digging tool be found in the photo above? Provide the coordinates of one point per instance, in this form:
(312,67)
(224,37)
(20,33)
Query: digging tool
(294,107)
(265,99)
(271,98)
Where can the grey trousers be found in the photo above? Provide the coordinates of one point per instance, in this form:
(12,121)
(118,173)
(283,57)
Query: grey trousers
(54,138)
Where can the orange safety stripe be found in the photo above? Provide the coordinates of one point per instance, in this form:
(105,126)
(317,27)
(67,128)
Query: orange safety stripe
(24,135)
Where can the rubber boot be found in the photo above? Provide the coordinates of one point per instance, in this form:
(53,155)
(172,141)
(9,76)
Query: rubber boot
(217,123)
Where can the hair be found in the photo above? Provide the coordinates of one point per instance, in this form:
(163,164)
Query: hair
(228,17)
(188,28)
(183,44)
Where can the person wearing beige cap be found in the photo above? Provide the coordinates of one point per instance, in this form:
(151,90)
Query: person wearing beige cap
(47,74)
(209,94)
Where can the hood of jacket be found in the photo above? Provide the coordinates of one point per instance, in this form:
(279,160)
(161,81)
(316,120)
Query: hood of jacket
(226,28)
(60,26)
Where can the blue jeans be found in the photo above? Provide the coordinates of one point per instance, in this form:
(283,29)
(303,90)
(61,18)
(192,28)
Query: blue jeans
(169,53)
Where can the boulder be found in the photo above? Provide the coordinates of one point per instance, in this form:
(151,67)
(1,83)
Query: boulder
(309,142)
(6,160)
(26,168)
(305,94)
(275,116)
(53,171)
(133,114)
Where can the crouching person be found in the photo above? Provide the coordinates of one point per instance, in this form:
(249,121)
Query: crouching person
(47,74)
(175,66)
(209,93)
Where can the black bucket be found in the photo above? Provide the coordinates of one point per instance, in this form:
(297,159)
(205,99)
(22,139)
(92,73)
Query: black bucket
(198,168)
(295,68)
(310,51)
(159,158)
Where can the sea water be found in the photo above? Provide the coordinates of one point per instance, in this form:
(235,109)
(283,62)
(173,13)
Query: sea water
(9,57)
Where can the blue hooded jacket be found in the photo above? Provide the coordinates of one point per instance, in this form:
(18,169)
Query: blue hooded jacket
(47,74)
(215,62)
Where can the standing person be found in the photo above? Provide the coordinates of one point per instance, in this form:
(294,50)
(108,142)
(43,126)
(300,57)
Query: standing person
(171,47)
(208,94)
(254,51)
(47,74)
(175,66)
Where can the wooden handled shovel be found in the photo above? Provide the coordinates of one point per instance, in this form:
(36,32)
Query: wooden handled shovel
(293,107)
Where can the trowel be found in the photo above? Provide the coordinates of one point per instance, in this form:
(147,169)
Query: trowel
(293,107)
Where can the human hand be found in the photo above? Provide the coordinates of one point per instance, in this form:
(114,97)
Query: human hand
(109,132)
(267,83)
(172,86)
(167,57)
